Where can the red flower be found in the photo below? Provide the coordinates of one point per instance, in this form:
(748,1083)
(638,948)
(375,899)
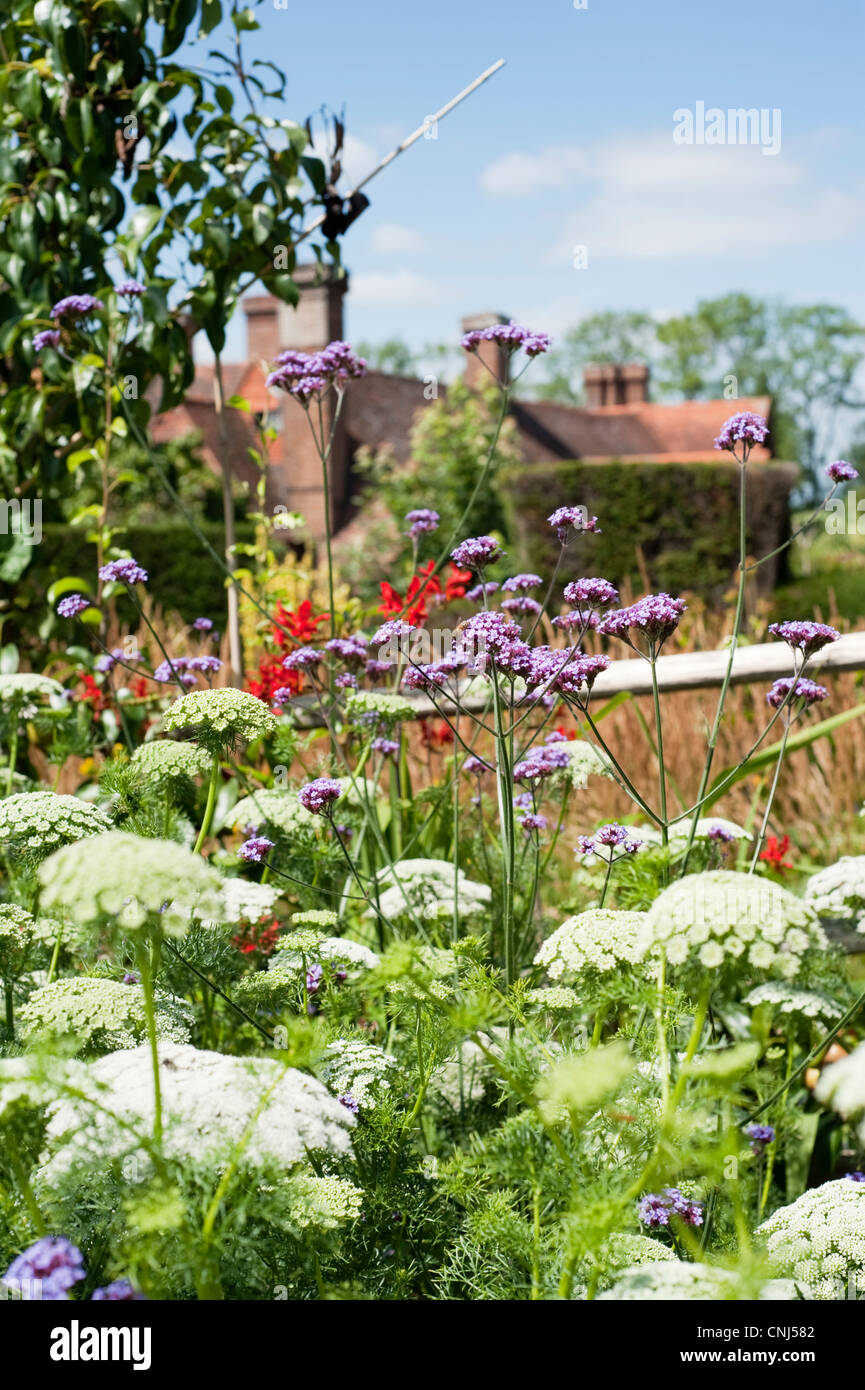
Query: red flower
(435,734)
(259,937)
(300,624)
(774,853)
(272,676)
(457,582)
(93,694)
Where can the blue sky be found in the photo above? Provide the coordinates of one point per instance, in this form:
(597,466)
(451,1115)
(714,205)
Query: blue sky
(572,144)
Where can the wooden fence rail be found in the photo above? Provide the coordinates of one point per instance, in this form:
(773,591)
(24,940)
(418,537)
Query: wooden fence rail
(760,664)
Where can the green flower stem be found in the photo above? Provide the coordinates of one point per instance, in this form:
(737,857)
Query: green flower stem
(764,825)
(13,754)
(812,1055)
(659,738)
(734,640)
(145,965)
(504,786)
(55,955)
(661,1028)
(10,1008)
(211,804)
(693,1043)
(19,1168)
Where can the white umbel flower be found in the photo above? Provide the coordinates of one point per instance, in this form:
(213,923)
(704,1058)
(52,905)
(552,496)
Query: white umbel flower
(425,888)
(842,1086)
(819,1239)
(221,717)
(676,1281)
(211,1104)
(101,1013)
(273,808)
(131,879)
(802,1003)
(839,890)
(360,1070)
(600,939)
(721,916)
(167,760)
(39,822)
(22,688)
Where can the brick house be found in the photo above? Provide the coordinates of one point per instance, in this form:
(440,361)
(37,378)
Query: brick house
(617,422)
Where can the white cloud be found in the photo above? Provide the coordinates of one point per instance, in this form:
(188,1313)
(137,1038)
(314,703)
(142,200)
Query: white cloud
(645,198)
(402,287)
(391,239)
(358,157)
(522,175)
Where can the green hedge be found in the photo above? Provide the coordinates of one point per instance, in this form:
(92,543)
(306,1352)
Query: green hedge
(183,577)
(683,520)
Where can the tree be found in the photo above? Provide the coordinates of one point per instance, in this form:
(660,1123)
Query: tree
(612,336)
(90,184)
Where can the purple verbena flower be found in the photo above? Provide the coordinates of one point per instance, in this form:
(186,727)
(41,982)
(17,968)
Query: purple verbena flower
(205,663)
(594,592)
(54,1261)
(118,1291)
(760,1136)
(563,518)
(839,471)
(746,427)
(72,605)
(302,659)
(314,976)
(612,837)
(127,570)
(350,649)
(394,627)
(656,616)
(319,796)
(804,635)
(521,583)
(855,1176)
(481,591)
(522,605)
(47,338)
(75,306)
(422,520)
(349,1102)
(653,1211)
(203,625)
(806,690)
(511,336)
(532,821)
(130,289)
(476,552)
(256,849)
(388,747)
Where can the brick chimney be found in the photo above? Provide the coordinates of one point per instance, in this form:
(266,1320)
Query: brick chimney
(491,354)
(615,383)
(295,479)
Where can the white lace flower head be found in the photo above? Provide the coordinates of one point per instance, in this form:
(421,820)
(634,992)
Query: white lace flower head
(599,939)
(273,808)
(39,822)
(360,1071)
(786,999)
(221,716)
(424,888)
(819,1239)
(22,688)
(676,1281)
(839,890)
(101,1013)
(214,1108)
(134,880)
(714,918)
(842,1087)
(168,760)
